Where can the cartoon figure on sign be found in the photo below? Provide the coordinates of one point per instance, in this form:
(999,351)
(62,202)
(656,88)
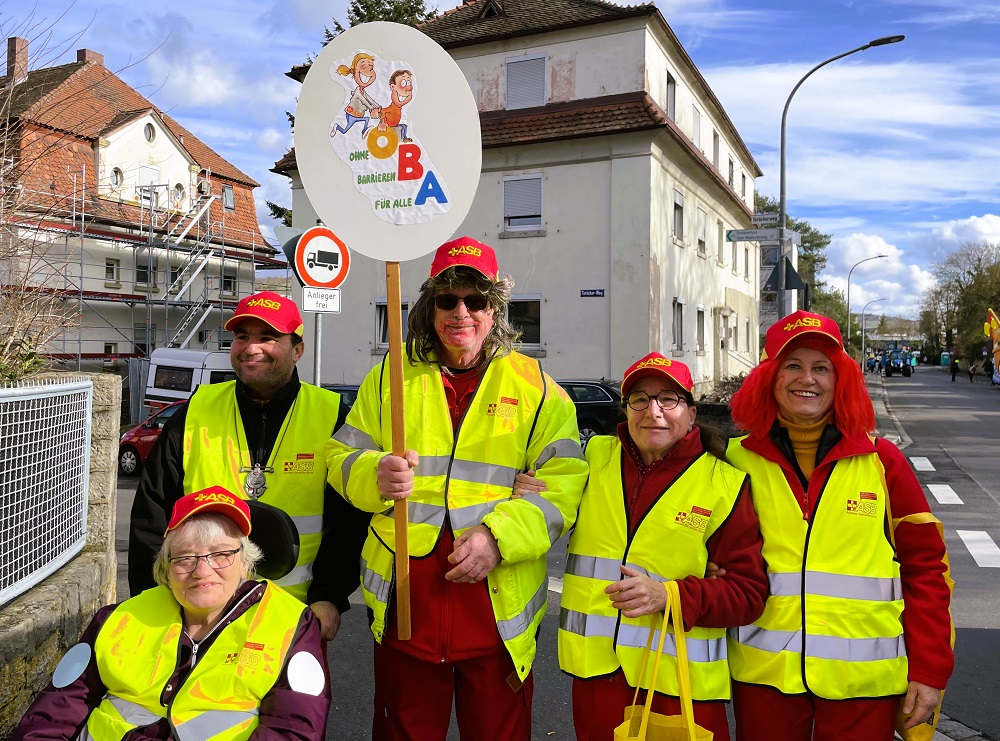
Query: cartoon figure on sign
(389,166)
(401,85)
(360,106)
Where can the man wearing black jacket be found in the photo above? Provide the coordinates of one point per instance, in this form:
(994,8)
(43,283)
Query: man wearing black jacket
(262,435)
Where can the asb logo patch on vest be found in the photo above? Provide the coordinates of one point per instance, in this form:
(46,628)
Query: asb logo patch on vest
(303,463)
(696,519)
(504,408)
(865,505)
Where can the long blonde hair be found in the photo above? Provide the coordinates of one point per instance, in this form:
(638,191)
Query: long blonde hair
(348,71)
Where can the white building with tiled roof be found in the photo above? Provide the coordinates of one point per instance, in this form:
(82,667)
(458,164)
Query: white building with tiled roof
(126,215)
(611,173)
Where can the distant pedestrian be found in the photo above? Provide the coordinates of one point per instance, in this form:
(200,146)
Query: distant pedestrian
(972,373)
(954,369)
(988,369)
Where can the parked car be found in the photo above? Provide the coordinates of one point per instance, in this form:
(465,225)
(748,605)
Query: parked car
(135,444)
(598,406)
(348,392)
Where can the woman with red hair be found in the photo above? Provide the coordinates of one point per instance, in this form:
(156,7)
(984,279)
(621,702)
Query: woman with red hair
(857,625)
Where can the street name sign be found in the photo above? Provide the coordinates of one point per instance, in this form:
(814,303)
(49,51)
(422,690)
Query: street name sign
(765,217)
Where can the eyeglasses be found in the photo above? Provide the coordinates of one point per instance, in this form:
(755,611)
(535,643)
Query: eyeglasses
(639,400)
(473,302)
(217,560)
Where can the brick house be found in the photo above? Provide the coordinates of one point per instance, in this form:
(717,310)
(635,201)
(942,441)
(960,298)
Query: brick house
(126,214)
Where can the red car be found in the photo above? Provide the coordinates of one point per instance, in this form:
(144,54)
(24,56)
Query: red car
(137,442)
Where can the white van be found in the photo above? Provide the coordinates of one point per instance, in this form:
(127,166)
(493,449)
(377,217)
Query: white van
(174,374)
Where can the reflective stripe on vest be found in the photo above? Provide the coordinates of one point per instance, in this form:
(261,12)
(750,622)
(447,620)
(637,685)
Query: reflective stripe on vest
(212,456)
(594,638)
(703,650)
(465,480)
(831,624)
(217,701)
(213,723)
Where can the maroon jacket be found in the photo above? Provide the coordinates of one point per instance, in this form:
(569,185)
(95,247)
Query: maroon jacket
(284,713)
(734,599)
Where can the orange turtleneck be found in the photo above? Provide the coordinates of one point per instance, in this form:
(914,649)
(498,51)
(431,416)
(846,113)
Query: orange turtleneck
(805,441)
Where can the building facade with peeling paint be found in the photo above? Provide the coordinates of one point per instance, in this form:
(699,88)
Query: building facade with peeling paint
(611,174)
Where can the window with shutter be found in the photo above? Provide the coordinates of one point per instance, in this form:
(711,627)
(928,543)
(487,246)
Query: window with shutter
(522,203)
(525,83)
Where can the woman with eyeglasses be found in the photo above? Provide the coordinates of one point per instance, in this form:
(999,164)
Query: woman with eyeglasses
(210,653)
(660,504)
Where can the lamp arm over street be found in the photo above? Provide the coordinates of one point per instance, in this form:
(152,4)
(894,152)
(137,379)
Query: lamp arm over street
(882,41)
(863,312)
(874,257)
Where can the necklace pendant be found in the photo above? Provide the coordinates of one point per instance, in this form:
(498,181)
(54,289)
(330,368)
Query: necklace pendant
(256,481)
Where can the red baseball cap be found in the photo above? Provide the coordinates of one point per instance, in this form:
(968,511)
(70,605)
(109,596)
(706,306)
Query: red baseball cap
(276,310)
(796,325)
(214,499)
(656,364)
(468,252)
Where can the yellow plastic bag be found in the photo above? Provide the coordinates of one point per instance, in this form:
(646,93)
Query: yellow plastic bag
(641,724)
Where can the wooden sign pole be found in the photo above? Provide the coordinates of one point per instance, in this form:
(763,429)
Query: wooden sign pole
(400,515)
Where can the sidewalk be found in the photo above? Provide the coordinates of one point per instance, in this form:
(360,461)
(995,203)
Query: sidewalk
(887,426)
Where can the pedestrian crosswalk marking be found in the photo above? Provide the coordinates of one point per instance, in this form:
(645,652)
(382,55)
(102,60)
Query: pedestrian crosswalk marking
(944,494)
(922,464)
(982,547)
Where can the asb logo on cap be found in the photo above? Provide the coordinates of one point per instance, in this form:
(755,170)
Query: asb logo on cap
(806,321)
(264,303)
(465,249)
(214,497)
(652,362)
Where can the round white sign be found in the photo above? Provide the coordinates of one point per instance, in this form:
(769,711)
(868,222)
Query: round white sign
(387,141)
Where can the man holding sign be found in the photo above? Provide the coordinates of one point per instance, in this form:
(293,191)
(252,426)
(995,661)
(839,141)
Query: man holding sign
(477,413)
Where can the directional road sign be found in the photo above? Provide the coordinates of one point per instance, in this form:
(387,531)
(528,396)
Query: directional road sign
(759,235)
(750,235)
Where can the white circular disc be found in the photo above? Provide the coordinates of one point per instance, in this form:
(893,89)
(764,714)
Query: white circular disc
(400,192)
(72,665)
(305,675)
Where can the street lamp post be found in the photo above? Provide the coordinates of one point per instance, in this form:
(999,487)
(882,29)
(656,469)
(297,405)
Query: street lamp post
(875,257)
(781,188)
(863,312)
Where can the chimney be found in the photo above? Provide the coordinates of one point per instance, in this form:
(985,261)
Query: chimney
(17,60)
(87,55)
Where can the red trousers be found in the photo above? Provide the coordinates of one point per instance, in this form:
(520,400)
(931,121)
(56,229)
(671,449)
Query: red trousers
(413,698)
(764,714)
(599,707)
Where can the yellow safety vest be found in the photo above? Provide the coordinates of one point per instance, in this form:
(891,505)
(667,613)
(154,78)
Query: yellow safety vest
(831,625)
(136,653)
(594,638)
(519,418)
(215,449)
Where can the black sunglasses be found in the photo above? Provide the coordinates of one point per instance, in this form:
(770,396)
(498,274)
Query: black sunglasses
(474,302)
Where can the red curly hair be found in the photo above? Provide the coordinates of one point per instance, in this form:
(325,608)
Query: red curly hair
(755,408)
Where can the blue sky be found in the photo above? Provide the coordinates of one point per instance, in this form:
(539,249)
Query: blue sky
(893,150)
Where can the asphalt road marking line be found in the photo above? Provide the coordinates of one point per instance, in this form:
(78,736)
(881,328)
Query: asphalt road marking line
(555,584)
(982,547)
(921,464)
(944,494)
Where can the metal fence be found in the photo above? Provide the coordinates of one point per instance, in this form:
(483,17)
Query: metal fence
(44,478)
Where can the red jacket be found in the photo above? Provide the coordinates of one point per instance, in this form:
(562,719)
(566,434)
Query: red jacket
(919,547)
(284,713)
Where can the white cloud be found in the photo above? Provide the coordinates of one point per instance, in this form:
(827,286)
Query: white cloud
(939,239)
(894,277)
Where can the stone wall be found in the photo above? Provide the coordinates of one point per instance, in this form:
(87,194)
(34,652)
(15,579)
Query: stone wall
(38,627)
